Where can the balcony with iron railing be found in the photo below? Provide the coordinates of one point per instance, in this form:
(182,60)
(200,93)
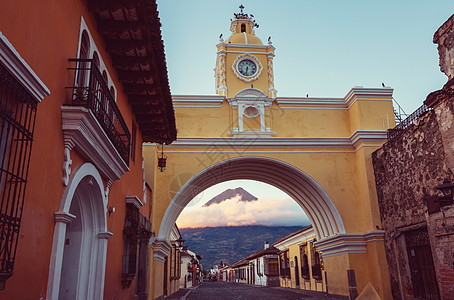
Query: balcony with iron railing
(404,124)
(90,90)
(93,124)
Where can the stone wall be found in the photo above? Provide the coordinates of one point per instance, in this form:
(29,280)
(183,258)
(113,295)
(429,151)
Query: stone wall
(407,170)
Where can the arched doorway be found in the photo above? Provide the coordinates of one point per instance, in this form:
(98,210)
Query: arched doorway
(297,273)
(301,187)
(77,266)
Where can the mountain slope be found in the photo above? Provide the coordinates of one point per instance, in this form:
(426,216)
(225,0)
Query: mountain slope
(230,193)
(229,244)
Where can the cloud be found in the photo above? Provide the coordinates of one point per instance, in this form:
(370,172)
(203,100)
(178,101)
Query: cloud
(266,211)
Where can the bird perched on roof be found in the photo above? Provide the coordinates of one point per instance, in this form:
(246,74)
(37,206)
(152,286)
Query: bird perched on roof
(220,38)
(382,84)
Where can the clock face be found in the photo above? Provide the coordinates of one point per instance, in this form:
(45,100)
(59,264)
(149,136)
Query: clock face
(247,67)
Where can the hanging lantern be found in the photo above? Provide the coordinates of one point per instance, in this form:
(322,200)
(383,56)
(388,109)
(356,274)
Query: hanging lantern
(162,160)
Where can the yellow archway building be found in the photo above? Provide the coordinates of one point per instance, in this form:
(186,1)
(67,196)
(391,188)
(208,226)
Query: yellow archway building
(318,150)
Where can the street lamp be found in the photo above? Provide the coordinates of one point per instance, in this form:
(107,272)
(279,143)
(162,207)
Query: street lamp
(180,242)
(162,160)
(447,189)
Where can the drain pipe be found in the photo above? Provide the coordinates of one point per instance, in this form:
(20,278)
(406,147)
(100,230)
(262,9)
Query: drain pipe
(326,282)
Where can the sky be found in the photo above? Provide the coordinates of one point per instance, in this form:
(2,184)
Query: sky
(323,48)
(273,208)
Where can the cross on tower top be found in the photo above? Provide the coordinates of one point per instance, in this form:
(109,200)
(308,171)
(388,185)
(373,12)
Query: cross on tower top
(241,7)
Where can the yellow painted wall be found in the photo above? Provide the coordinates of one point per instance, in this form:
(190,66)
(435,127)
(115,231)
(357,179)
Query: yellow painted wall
(157,279)
(336,268)
(304,284)
(371,114)
(345,171)
(337,173)
(234,84)
(203,121)
(309,122)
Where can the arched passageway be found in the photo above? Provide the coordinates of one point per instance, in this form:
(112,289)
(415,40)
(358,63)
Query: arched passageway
(315,202)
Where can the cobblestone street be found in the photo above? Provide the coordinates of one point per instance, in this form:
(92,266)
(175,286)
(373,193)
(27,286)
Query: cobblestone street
(226,290)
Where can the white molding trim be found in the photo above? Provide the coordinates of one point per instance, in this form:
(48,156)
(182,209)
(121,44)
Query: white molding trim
(17,66)
(355,94)
(360,136)
(134,200)
(363,136)
(348,242)
(368,94)
(250,52)
(82,131)
(253,46)
(175,233)
(302,237)
(64,217)
(92,49)
(295,102)
(264,152)
(161,248)
(253,94)
(197,106)
(214,100)
(252,132)
(105,235)
(93,213)
(316,203)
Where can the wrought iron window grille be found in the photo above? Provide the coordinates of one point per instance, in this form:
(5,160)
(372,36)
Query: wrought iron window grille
(317,271)
(17,121)
(91,91)
(136,230)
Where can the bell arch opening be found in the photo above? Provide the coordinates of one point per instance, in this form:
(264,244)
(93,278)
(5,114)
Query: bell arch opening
(314,201)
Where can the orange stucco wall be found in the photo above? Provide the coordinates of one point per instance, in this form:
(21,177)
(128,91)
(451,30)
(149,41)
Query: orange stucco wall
(46,33)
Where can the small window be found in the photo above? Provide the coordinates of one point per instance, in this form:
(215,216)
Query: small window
(17,119)
(305,268)
(251,112)
(82,76)
(133,142)
(104,76)
(317,267)
(112,91)
(96,59)
(243,27)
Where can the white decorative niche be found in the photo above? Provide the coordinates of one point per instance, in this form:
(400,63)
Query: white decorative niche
(251,103)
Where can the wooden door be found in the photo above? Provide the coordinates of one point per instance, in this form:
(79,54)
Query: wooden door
(421,264)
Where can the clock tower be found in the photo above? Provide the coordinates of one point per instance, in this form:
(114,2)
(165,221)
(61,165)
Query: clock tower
(244,74)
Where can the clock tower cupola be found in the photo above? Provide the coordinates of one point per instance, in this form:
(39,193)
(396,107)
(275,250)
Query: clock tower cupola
(243,61)
(244,75)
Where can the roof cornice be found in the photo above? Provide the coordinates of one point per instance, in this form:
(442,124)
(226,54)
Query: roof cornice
(254,46)
(304,235)
(179,100)
(353,141)
(355,94)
